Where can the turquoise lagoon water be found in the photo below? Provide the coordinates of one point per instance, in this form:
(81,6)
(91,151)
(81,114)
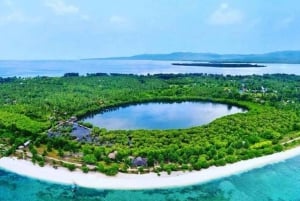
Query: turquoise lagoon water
(276,182)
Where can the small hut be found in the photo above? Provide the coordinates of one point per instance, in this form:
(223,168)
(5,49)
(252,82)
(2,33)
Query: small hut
(26,143)
(139,161)
(73,119)
(112,155)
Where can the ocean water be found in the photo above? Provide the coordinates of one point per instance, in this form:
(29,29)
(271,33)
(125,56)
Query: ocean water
(276,182)
(58,68)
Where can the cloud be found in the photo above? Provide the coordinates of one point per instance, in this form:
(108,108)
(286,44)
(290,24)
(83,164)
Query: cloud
(8,3)
(118,20)
(15,15)
(59,7)
(225,15)
(18,17)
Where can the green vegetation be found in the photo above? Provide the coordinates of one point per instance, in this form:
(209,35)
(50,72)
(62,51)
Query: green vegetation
(31,106)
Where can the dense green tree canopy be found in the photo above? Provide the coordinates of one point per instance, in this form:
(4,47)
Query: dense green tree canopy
(31,106)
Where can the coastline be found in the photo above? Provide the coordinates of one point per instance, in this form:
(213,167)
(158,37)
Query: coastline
(144,181)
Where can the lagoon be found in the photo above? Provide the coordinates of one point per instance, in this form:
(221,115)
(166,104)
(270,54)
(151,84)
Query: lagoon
(162,115)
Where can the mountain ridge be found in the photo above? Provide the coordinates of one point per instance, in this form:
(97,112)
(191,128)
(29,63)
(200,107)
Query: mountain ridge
(288,56)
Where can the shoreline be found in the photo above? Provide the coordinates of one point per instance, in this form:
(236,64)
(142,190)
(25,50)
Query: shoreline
(124,181)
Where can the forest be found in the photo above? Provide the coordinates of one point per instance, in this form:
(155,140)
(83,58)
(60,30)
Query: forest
(31,107)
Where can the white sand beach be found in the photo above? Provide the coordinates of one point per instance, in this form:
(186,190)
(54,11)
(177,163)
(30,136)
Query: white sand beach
(144,181)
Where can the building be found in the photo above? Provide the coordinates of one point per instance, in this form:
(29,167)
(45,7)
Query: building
(139,161)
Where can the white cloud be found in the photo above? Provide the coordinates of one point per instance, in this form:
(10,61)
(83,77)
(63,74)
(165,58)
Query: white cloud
(225,15)
(15,15)
(61,8)
(118,20)
(8,3)
(18,17)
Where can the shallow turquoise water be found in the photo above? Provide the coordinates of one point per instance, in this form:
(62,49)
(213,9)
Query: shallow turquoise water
(277,182)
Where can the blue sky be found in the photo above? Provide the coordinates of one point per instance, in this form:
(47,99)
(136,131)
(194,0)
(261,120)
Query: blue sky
(72,29)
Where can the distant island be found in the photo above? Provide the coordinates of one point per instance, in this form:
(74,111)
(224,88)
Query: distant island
(221,65)
(291,57)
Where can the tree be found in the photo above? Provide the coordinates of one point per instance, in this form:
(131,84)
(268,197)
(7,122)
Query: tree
(90,159)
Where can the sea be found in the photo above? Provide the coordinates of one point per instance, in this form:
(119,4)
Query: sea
(140,67)
(274,182)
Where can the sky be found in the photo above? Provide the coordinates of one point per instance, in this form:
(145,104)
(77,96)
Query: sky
(75,29)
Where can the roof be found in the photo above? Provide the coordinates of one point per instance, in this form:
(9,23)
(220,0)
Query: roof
(112,155)
(139,161)
(26,143)
(79,131)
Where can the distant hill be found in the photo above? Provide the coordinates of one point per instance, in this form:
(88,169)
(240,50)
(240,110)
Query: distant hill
(272,57)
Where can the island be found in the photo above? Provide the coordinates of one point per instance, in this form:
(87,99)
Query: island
(221,65)
(40,122)
(291,57)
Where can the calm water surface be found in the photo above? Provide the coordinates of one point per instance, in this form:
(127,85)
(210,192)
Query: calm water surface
(278,182)
(162,115)
(58,68)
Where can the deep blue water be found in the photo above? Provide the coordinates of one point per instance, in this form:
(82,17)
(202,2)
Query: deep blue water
(162,115)
(58,68)
(277,182)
